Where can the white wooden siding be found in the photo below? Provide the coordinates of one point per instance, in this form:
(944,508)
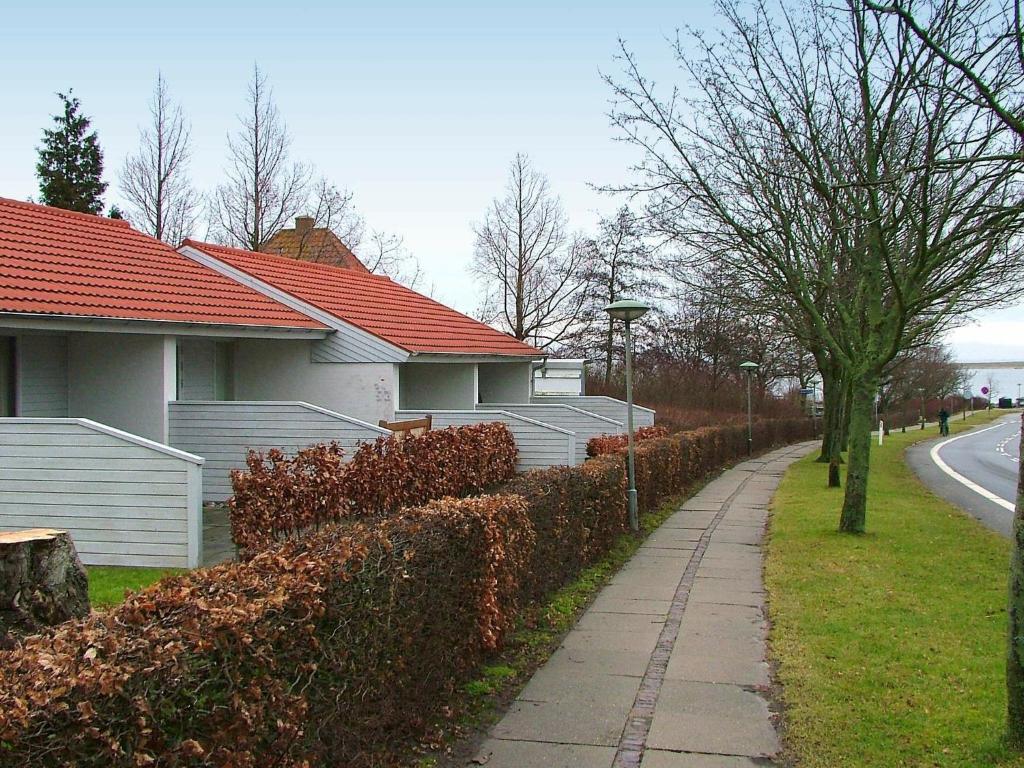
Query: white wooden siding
(223,432)
(608,407)
(540,445)
(197,369)
(349,344)
(42,371)
(584,424)
(124,499)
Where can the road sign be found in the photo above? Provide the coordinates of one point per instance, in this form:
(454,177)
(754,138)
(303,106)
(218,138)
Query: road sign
(984,390)
(807,391)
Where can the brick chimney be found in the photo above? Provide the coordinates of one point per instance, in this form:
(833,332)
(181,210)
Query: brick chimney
(303,224)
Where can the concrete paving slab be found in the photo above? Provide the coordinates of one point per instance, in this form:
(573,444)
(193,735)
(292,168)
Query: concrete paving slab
(711,718)
(593,621)
(657,758)
(748,535)
(635,591)
(597,723)
(549,685)
(599,661)
(727,592)
(719,659)
(605,604)
(500,753)
(630,641)
(723,620)
(724,549)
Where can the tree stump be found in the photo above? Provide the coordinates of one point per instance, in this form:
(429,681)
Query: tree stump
(42,581)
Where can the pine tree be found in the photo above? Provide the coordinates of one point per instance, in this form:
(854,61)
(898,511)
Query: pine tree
(70,163)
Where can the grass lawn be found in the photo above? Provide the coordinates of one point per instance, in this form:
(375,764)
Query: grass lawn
(107,584)
(890,644)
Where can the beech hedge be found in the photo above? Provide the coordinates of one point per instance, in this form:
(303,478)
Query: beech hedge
(602,444)
(332,646)
(280,496)
(321,650)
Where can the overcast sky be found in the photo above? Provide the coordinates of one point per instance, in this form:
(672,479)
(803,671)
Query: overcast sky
(415,107)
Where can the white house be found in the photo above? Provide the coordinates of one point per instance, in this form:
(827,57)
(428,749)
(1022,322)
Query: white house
(134,377)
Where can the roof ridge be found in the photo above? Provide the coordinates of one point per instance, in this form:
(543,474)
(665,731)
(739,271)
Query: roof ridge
(54,211)
(345,271)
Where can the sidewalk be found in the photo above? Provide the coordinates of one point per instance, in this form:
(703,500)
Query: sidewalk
(665,668)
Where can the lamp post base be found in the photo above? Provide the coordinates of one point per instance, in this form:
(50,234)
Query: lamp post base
(634,517)
(750,446)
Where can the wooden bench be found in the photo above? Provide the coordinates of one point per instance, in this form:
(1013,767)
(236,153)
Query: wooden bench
(408,428)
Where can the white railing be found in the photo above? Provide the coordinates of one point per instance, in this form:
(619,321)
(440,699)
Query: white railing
(223,432)
(584,424)
(124,499)
(608,407)
(540,445)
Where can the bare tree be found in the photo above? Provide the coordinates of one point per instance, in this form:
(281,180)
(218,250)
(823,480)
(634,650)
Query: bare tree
(386,254)
(982,41)
(159,196)
(814,165)
(530,266)
(264,189)
(619,264)
(331,209)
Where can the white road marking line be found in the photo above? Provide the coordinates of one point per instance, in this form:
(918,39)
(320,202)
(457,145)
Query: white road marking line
(1011,440)
(984,492)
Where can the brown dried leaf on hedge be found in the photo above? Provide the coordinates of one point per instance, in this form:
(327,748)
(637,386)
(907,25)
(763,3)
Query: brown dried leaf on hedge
(329,645)
(602,444)
(280,496)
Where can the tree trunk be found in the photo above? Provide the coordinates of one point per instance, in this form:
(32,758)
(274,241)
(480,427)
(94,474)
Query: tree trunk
(847,410)
(42,581)
(861,412)
(1015,621)
(830,416)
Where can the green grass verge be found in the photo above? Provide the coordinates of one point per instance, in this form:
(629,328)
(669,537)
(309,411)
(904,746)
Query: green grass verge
(107,584)
(890,645)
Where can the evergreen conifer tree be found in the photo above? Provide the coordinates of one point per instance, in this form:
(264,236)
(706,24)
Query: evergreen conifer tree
(70,166)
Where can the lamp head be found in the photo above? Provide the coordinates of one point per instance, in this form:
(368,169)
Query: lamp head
(627,309)
(749,367)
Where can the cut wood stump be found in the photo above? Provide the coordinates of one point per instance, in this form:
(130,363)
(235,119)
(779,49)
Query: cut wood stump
(42,581)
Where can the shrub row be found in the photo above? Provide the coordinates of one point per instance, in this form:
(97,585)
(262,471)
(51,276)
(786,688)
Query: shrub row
(330,647)
(281,496)
(602,444)
(320,649)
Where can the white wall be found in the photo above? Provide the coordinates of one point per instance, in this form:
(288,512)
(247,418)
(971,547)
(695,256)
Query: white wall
(125,501)
(42,372)
(505,382)
(271,369)
(438,385)
(122,380)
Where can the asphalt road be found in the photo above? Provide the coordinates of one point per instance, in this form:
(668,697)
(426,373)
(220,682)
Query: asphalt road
(976,470)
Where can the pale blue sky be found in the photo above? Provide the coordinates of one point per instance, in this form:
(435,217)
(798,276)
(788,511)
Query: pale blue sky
(417,108)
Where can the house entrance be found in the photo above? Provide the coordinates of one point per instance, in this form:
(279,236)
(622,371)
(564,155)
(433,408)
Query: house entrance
(6,376)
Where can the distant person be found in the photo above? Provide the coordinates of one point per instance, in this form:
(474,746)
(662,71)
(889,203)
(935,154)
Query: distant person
(943,422)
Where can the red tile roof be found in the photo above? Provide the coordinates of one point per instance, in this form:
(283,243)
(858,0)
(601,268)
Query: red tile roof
(58,262)
(374,303)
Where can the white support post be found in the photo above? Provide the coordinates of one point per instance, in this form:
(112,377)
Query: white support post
(881,431)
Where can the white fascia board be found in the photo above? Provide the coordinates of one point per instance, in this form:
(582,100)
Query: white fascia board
(444,357)
(75,323)
(282,297)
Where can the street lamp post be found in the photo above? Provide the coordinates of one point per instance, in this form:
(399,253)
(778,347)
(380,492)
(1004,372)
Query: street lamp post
(749,369)
(628,310)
